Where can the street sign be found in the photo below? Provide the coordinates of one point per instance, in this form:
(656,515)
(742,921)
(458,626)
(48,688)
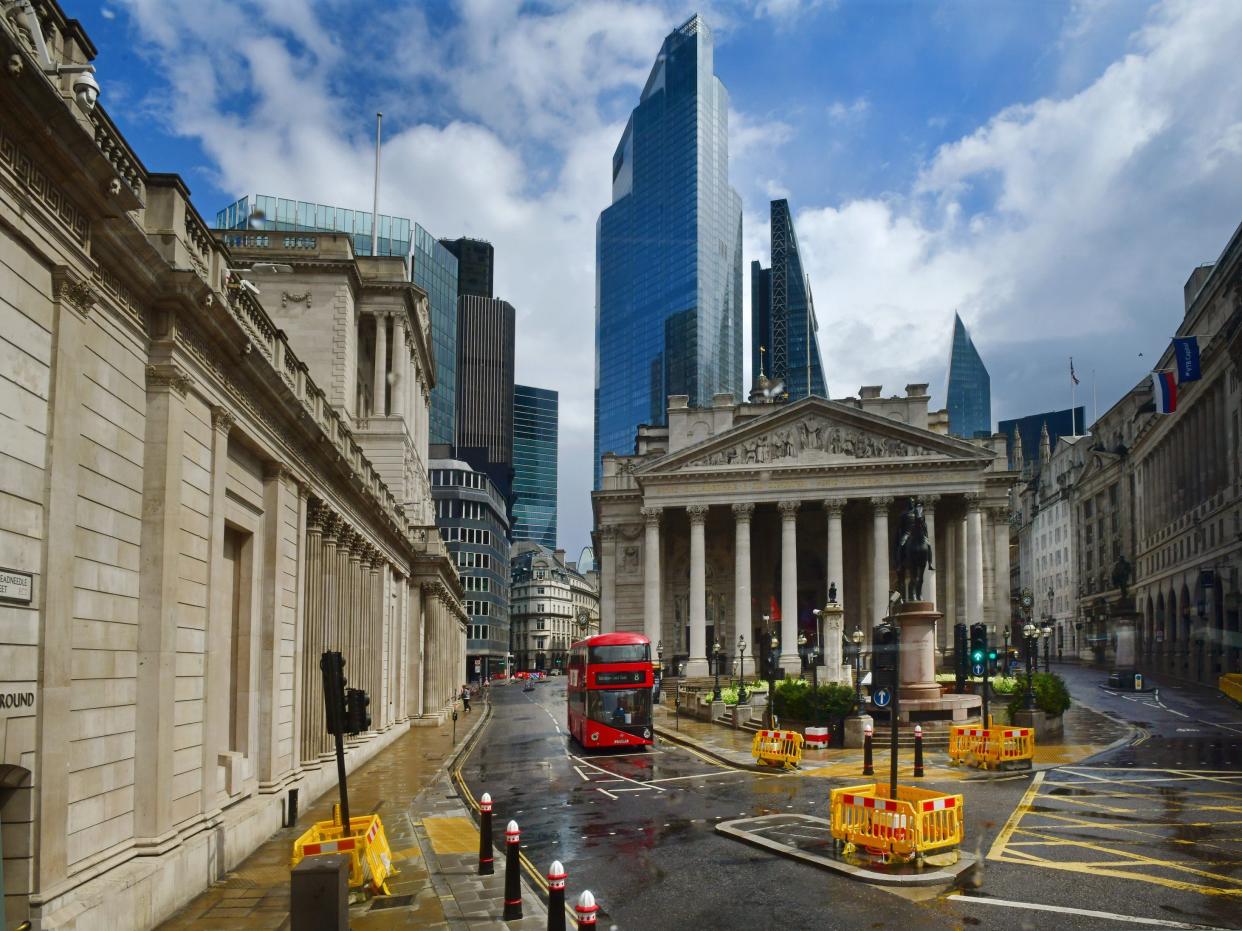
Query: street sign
(881,697)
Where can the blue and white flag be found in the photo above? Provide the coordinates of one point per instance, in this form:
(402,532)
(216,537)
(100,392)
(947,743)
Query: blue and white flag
(1186,348)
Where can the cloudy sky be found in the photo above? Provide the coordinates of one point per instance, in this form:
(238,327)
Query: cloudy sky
(1053,170)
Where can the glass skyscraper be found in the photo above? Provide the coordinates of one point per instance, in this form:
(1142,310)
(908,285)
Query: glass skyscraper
(782,315)
(970,387)
(435,271)
(535,416)
(668,317)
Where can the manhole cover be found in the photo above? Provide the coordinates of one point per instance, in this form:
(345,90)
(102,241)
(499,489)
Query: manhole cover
(391,901)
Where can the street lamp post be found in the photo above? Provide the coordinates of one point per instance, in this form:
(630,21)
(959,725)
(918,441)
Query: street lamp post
(1005,664)
(773,645)
(857,638)
(719,651)
(741,686)
(659,677)
(1046,635)
(1030,631)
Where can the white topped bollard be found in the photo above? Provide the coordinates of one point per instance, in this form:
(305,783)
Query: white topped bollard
(556,896)
(586,909)
(513,875)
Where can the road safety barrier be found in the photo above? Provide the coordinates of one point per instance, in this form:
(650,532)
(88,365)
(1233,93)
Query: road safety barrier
(370,859)
(817,738)
(910,825)
(780,748)
(991,747)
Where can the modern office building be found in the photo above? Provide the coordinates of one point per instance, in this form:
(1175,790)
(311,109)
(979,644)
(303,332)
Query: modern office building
(969,392)
(535,416)
(784,344)
(1022,434)
(476,261)
(553,605)
(485,387)
(668,251)
(472,516)
(435,271)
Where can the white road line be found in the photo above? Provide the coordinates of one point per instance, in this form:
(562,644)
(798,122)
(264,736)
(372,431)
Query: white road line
(1225,726)
(1175,711)
(1090,913)
(585,777)
(637,782)
(635,789)
(606,792)
(694,776)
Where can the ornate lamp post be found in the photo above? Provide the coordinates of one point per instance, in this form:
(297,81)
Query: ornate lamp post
(857,639)
(741,686)
(773,646)
(1005,664)
(1046,636)
(718,649)
(1030,631)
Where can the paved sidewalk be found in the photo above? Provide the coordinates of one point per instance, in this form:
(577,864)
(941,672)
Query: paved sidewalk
(1087,733)
(432,835)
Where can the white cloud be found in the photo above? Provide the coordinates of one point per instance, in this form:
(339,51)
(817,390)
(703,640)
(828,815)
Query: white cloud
(840,111)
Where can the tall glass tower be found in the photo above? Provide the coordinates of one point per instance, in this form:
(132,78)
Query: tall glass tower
(435,271)
(782,315)
(970,387)
(535,415)
(668,307)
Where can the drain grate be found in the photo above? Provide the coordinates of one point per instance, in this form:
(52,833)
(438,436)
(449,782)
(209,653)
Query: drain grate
(391,901)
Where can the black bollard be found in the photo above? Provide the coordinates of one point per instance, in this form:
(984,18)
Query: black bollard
(868,769)
(513,875)
(487,863)
(586,910)
(918,751)
(556,897)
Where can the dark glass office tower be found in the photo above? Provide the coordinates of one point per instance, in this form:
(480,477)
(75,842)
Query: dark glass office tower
(782,315)
(485,387)
(970,387)
(535,416)
(668,316)
(435,271)
(475,261)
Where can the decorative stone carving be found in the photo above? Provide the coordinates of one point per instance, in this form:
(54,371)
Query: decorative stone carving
(697,513)
(814,439)
(629,559)
(651,516)
(167,377)
(743,511)
(286,297)
(881,502)
(789,509)
(73,291)
(834,506)
(608,532)
(221,420)
(974,501)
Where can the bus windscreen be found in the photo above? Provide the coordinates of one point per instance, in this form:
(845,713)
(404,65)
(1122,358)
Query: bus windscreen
(621,653)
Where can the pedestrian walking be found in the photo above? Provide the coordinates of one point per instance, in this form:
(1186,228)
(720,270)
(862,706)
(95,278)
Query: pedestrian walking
(465,698)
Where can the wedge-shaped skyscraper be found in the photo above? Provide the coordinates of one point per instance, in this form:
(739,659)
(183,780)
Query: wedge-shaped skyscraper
(668,317)
(970,387)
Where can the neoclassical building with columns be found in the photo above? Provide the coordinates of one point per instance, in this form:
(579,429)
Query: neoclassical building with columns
(734,510)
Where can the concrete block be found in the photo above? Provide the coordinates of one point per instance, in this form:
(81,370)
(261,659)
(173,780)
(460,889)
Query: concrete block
(319,894)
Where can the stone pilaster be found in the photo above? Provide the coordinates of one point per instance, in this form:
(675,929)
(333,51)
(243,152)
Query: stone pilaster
(880,559)
(974,559)
(790,662)
(930,592)
(742,514)
(697,664)
(651,575)
(276,500)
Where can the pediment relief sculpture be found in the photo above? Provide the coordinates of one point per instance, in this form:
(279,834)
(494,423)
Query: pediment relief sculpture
(811,440)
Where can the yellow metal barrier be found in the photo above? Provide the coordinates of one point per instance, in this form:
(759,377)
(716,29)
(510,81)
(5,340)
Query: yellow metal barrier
(910,825)
(370,859)
(990,747)
(782,748)
(1231,685)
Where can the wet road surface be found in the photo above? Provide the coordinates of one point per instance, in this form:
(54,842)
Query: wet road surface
(637,828)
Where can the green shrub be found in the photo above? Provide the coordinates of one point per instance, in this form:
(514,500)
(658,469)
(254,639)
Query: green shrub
(797,700)
(1051,695)
(1001,685)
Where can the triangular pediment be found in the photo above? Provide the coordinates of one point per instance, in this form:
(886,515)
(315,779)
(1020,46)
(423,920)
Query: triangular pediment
(817,432)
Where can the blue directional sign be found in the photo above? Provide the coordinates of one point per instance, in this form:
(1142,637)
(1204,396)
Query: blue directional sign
(881,697)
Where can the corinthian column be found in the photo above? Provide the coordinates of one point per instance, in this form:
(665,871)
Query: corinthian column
(836,557)
(400,365)
(974,560)
(1000,567)
(741,570)
(651,575)
(879,559)
(381,365)
(929,576)
(790,662)
(697,665)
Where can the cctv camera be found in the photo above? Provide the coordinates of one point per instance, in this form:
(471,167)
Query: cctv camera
(86,91)
(250,286)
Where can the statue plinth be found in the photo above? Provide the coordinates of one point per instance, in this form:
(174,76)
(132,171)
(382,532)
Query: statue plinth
(917,690)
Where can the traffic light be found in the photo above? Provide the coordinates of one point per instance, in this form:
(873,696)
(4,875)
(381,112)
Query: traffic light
(357,717)
(978,649)
(992,661)
(333,666)
(885,647)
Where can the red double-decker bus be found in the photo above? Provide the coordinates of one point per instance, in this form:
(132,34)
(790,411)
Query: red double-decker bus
(609,691)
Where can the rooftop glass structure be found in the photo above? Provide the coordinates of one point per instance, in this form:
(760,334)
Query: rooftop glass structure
(969,394)
(435,271)
(535,417)
(264,212)
(784,340)
(668,251)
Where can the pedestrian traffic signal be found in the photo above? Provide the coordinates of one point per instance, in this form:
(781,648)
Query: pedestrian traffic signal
(357,717)
(885,645)
(978,649)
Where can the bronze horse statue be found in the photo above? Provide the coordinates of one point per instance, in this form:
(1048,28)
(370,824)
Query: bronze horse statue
(914,552)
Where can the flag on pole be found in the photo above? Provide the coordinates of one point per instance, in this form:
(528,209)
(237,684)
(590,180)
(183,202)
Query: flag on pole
(1073,377)
(1164,390)
(1186,349)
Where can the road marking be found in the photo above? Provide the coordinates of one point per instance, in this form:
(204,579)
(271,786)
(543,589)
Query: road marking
(637,782)
(606,792)
(1023,806)
(1087,912)
(694,776)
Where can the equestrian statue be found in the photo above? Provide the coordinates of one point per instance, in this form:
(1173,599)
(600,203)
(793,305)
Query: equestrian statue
(914,552)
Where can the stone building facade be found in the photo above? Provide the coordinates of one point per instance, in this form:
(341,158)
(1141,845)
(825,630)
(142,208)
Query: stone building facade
(737,512)
(552,605)
(187,518)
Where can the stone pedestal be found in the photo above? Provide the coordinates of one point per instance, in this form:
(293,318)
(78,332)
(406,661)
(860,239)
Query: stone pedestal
(855,725)
(1046,729)
(832,621)
(920,697)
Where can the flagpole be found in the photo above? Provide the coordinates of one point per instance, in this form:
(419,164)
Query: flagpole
(1095,400)
(379,117)
(1073,399)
